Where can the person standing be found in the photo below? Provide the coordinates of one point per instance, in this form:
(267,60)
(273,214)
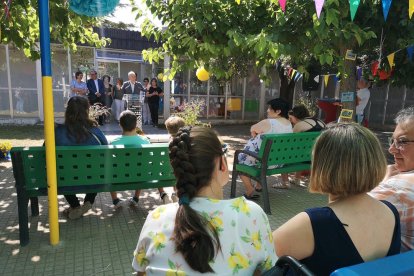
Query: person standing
(96,92)
(118,95)
(146,115)
(131,86)
(153,94)
(363,95)
(78,87)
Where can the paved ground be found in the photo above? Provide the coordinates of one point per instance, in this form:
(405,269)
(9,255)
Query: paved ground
(102,242)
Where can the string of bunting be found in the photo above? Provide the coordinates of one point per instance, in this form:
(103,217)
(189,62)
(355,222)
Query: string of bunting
(353,7)
(7,5)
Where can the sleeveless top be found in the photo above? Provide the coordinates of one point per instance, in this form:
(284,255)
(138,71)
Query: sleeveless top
(334,248)
(316,127)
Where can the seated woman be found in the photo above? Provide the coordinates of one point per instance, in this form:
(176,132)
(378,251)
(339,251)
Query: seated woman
(348,161)
(302,122)
(79,130)
(398,185)
(276,122)
(203,233)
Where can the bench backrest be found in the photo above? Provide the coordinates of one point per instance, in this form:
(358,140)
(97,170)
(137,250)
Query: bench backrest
(288,148)
(83,165)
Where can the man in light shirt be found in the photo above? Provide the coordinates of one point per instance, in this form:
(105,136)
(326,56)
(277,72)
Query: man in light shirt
(363,95)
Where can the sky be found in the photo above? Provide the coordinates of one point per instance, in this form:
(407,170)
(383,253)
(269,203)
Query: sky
(124,14)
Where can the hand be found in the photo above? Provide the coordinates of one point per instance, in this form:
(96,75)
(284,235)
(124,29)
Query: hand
(155,93)
(98,94)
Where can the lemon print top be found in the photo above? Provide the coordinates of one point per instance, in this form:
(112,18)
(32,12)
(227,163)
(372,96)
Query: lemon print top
(243,228)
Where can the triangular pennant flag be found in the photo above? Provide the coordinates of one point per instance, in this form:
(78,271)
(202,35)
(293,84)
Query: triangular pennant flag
(353,6)
(318,6)
(293,73)
(326,79)
(410,8)
(282,4)
(298,75)
(335,79)
(390,58)
(386,7)
(410,50)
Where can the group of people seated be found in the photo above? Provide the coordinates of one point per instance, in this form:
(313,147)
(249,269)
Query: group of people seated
(369,213)
(80,129)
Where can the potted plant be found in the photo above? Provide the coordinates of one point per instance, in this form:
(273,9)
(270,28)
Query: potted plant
(5,148)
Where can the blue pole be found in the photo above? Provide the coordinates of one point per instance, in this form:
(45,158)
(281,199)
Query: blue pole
(44,26)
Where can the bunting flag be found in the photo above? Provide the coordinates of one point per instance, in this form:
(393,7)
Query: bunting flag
(410,8)
(390,58)
(318,6)
(410,50)
(298,75)
(386,8)
(238,2)
(282,4)
(7,5)
(353,6)
(326,79)
(292,74)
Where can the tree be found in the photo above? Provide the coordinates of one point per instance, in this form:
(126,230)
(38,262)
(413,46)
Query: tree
(226,36)
(21,27)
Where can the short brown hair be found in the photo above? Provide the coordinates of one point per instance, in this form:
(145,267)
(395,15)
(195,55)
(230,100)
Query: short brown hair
(173,124)
(347,159)
(128,120)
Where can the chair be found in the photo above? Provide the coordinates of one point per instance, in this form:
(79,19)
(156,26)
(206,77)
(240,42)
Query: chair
(287,265)
(401,265)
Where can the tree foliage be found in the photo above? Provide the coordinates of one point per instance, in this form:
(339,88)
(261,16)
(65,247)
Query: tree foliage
(225,36)
(21,27)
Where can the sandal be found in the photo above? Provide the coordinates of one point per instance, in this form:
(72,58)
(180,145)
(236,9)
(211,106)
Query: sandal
(251,197)
(281,185)
(259,190)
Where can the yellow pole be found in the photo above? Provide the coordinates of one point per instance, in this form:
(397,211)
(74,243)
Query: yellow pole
(49,120)
(50,159)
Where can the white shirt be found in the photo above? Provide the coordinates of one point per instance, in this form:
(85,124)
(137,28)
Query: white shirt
(132,87)
(242,226)
(96,85)
(364,95)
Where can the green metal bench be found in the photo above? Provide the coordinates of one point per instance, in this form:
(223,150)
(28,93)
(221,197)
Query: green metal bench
(86,169)
(293,151)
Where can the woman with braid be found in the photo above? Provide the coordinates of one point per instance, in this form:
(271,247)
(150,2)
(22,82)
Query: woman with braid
(203,233)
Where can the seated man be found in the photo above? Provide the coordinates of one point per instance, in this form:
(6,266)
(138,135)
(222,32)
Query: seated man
(128,123)
(398,184)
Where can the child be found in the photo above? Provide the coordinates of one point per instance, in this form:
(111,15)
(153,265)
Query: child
(128,123)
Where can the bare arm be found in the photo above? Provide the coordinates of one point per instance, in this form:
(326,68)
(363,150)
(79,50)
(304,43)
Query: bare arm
(295,237)
(260,127)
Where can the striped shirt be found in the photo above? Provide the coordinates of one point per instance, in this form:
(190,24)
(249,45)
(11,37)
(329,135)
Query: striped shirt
(400,193)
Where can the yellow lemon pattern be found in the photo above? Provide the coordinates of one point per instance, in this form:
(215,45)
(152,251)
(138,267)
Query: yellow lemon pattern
(240,205)
(157,212)
(215,220)
(174,269)
(158,239)
(237,261)
(254,238)
(244,233)
(140,257)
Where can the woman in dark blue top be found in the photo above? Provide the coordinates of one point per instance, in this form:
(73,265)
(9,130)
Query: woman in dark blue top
(347,162)
(79,130)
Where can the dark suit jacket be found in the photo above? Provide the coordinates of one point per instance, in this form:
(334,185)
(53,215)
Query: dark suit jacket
(92,90)
(127,89)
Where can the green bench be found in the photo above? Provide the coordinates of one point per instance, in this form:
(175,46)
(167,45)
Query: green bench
(293,151)
(86,169)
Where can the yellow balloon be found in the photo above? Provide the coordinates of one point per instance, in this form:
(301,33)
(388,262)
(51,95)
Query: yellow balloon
(202,74)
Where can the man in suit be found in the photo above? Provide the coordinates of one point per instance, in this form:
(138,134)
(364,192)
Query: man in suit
(131,86)
(96,88)
(96,92)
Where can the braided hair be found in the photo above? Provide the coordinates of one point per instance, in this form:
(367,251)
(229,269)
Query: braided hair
(193,153)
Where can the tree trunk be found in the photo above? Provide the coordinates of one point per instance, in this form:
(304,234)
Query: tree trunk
(348,81)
